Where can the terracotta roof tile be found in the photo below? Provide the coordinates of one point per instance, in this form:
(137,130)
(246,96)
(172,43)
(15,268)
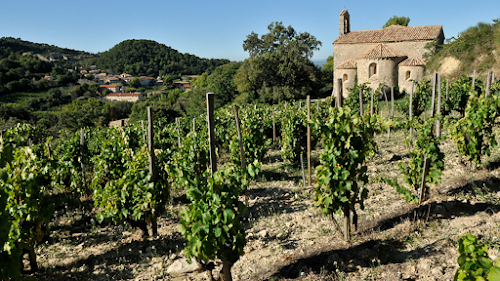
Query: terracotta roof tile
(348,65)
(381,51)
(413,61)
(393,33)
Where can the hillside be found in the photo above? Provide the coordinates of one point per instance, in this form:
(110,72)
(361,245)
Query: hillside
(146,57)
(10,45)
(476,48)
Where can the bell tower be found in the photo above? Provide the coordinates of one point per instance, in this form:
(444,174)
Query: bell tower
(344,25)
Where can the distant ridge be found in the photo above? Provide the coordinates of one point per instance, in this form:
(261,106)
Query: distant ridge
(10,45)
(150,58)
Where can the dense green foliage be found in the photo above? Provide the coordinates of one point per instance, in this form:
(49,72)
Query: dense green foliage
(327,75)
(348,140)
(221,82)
(352,100)
(474,47)
(474,262)
(473,134)
(25,180)
(24,73)
(421,97)
(122,184)
(212,224)
(55,110)
(458,95)
(404,21)
(252,124)
(294,133)
(426,145)
(279,67)
(10,45)
(146,57)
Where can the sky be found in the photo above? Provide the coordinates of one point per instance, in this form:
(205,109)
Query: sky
(217,28)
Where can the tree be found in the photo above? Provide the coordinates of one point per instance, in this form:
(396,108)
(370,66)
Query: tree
(279,67)
(134,83)
(404,21)
(327,75)
(221,82)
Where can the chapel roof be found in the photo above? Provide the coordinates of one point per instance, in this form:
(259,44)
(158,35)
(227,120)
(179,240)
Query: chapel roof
(392,33)
(412,61)
(348,65)
(381,51)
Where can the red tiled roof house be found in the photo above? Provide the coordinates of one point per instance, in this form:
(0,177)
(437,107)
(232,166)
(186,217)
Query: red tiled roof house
(391,55)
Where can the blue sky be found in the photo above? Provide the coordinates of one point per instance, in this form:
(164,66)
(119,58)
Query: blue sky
(217,29)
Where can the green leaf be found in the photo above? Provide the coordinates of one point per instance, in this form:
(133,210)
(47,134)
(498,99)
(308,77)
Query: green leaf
(494,274)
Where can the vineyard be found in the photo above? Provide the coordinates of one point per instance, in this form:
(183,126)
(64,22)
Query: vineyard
(355,189)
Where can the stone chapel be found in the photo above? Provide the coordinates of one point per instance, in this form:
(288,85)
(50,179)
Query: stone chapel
(391,55)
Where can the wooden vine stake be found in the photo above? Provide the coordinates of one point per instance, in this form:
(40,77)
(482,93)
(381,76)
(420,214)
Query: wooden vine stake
(211,133)
(447,87)
(82,154)
(474,80)
(371,103)
(360,101)
(226,265)
(410,111)
(274,128)
(242,151)
(438,110)
(392,102)
(339,93)
(388,113)
(347,211)
(303,173)
(433,98)
(178,122)
(308,101)
(152,167)
(194,125)
(425,168)
(142,127)
(488,84)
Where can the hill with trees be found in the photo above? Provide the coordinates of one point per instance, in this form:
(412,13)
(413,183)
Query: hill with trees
(10,45)
(150,58)
(476,48)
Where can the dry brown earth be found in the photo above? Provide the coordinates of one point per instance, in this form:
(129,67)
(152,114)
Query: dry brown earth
(290,239)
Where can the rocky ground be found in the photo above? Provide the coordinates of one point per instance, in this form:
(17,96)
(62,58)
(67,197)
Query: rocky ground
(290,239)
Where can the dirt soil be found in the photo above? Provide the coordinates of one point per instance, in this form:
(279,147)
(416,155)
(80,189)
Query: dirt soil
(448,66)
(290,239)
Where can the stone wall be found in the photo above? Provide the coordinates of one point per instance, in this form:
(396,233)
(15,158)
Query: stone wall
(416,73)
(348,84)
(387,70)
(118,123)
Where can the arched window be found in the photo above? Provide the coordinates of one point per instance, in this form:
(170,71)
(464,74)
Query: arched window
(344,78)
(408,75)
(372,69)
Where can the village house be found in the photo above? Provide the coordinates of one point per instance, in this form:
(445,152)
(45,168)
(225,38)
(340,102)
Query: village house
(112,80)
(130,97)
(112,88)
(146,81)
(184,85)
(393,55)
(126,75)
